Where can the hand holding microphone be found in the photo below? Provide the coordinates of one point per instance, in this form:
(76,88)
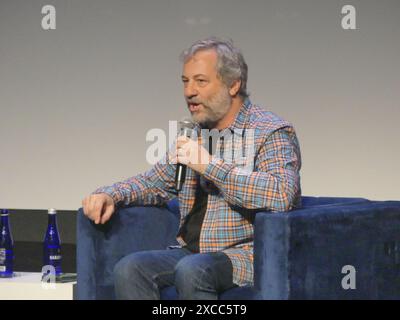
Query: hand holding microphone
(189,153)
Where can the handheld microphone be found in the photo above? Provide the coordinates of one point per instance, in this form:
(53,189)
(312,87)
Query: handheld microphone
(186,128)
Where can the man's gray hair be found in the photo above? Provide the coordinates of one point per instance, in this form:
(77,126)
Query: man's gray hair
(231,65)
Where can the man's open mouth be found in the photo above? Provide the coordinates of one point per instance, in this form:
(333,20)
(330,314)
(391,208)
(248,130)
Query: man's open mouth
(193,107)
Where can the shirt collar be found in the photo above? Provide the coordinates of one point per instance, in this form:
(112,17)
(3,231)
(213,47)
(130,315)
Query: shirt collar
(241,117)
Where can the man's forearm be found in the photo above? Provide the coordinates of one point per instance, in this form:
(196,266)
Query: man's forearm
(154,187)
(254,190)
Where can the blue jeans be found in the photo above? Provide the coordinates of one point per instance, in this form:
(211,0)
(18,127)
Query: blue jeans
(141,275)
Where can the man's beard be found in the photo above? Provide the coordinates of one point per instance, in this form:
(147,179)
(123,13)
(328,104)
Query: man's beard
(214,109)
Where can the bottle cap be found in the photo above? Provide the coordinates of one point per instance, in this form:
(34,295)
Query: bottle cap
(52,211)
(4,212)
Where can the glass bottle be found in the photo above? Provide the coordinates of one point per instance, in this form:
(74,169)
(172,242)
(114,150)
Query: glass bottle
(6,247)
(52,244)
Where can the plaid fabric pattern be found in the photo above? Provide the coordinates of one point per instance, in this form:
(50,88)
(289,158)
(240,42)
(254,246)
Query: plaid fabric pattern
(235,192)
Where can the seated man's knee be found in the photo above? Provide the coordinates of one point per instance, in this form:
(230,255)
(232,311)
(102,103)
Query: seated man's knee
(128,267)
(191,271)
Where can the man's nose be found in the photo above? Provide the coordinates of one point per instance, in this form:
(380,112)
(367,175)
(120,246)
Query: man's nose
(190,91)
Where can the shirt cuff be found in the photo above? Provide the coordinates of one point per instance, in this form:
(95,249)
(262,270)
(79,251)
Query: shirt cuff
(114,194)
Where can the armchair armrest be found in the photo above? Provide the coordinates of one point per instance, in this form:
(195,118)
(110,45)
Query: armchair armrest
(300,254)
(100,247)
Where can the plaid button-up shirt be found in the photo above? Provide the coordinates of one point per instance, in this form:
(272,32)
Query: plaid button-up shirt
(269,180)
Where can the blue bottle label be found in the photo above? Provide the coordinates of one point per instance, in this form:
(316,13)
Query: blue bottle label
(3,256)
(6,262)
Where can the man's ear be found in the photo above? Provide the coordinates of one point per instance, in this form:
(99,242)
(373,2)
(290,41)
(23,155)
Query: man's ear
(235,87)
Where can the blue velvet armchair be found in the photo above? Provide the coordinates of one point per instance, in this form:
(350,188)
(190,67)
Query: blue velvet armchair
(297,255)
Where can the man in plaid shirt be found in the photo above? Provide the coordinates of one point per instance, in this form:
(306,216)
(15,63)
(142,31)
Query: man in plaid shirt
(222,191)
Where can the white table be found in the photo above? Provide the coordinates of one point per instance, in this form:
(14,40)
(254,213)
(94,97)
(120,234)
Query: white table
(28,286)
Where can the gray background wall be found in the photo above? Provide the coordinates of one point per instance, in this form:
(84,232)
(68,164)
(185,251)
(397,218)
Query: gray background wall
(76,102)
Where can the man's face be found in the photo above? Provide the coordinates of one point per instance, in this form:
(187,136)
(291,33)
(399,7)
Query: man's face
(207,97)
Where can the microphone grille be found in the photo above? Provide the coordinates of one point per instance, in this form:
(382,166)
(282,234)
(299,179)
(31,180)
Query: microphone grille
(186,127)
(186,123)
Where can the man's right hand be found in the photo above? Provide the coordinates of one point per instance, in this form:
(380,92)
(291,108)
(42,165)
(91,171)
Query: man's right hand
(98,207)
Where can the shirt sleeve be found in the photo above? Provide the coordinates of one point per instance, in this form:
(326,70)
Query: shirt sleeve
(154,187)
(273,184)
